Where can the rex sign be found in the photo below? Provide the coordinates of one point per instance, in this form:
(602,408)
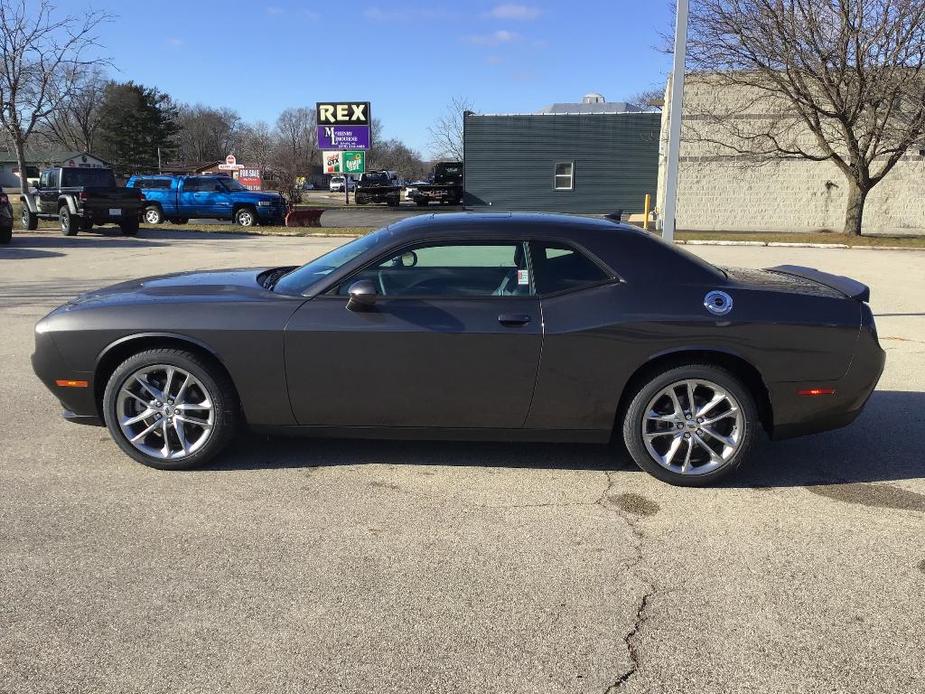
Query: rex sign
(343,125)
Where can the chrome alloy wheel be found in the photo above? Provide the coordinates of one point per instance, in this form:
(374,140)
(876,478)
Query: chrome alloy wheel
(165,412)
(152,216)
(693,427)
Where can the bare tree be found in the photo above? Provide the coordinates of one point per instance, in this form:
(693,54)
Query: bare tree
(296,146)
(255,144)
(75,124)
(206,133)
(41,60)
(840,81)
(649,99)
(446,134)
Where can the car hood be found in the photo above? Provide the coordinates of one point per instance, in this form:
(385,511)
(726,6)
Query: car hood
(257,196)
(212,285)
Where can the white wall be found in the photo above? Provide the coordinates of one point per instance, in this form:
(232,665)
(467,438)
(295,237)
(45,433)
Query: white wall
(720,191)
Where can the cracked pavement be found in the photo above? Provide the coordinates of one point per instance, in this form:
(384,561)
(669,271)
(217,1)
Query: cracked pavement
(319,566)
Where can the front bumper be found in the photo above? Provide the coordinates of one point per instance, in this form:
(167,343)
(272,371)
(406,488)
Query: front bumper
(50,366)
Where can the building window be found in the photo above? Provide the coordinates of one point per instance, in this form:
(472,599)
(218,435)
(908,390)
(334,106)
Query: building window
(564,177)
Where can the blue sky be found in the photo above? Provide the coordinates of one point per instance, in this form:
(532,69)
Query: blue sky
(408,58)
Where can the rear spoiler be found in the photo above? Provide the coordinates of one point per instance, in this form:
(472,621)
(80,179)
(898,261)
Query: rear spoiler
(847,286)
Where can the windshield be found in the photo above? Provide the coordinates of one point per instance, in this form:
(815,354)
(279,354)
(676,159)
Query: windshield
(233,186)
(297,281)
(87,178)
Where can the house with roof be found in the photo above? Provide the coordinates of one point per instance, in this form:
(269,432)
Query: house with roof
(36,160)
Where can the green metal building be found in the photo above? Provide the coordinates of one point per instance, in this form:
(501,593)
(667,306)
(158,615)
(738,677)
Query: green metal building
(582,161)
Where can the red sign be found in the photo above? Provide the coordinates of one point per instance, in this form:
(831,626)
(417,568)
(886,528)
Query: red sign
(250,178)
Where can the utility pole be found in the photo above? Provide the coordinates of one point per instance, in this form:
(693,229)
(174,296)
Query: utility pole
(674,123)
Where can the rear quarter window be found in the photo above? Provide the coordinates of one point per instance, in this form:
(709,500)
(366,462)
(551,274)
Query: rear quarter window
(559,268)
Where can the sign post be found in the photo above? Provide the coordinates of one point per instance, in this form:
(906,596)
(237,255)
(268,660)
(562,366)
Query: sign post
(344,137)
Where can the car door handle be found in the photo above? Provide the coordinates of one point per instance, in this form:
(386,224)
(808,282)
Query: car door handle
(513,319)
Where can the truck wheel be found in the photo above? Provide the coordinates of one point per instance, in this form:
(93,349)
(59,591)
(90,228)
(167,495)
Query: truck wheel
(245,217)
(6,234)
(392,202)
(153,215)
(69,223)
(129,227)
(420,203)
(30,220)
(86,224)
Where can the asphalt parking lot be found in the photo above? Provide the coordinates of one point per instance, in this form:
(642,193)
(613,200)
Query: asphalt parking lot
(320,566)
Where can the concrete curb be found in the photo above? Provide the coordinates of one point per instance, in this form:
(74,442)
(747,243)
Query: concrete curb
(782,244)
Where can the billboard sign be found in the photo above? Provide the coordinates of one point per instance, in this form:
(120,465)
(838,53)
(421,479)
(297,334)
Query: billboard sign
(343,113)
(341,162)
(343,137)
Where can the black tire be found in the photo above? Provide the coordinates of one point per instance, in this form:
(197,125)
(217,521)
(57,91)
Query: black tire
(393,202)
(30,220)
(421,203)
(246,217)
(86,224)
(219,389)
(633,423)
(129,227)
(153,215)
(6,234)
(70,223)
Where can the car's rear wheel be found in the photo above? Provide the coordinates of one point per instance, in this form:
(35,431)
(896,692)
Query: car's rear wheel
(245,217)
(6,233)
(69,223)
(153,215)
(30,220)
(691,425)
(170,409)
(129,227)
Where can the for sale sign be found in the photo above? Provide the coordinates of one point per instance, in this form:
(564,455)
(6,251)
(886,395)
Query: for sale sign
(343,137)
(343,113)
(250,178)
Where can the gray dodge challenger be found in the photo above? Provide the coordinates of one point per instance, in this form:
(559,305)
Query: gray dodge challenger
(510,327)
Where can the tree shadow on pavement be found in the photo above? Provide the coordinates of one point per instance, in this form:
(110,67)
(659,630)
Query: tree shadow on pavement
(886,443)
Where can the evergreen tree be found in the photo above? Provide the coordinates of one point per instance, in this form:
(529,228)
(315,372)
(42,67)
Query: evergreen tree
(135,122)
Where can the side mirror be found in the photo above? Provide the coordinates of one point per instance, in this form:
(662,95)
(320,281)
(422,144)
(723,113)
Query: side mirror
(362,295)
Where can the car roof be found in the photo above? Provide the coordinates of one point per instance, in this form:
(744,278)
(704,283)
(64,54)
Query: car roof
(538,223)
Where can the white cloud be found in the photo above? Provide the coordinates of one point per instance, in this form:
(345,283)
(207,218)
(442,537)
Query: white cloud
(495,38)
(514,11)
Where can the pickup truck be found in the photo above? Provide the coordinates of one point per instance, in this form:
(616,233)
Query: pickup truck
(79,198)
(447,186)
(180,198)
(378,186)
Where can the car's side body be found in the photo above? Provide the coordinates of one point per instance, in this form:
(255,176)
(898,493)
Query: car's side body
(206,197)
(449,367)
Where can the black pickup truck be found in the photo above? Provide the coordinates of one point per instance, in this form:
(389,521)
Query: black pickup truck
(79,198)
(446,188)
(377,186)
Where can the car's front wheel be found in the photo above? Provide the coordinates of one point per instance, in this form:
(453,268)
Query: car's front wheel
(30,220)
(245,217)
(691,425)
(170,409)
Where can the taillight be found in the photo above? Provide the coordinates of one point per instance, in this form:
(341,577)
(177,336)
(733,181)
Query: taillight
(83,195)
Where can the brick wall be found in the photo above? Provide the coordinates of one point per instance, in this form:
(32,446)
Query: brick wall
(719,190)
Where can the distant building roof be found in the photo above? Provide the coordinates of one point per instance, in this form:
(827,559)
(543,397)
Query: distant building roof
(588,106)
(46,156)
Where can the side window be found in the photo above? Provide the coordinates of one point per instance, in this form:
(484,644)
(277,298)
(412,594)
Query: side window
(192,185)
(559,267)
(563,177)
(452,270)
(43,179)
(53,178)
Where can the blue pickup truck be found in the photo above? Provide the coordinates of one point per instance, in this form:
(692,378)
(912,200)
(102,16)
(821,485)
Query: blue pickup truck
(180,198)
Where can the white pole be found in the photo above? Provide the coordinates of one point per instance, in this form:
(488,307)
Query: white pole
(674,122)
